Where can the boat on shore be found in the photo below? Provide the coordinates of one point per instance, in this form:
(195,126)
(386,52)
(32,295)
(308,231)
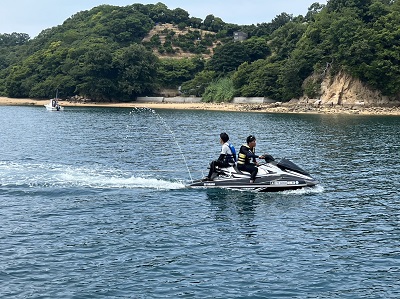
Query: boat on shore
(53,105)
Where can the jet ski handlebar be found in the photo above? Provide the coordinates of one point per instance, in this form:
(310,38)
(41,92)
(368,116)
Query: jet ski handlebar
(268,158)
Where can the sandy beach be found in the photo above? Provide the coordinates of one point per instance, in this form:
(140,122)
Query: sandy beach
(266,108)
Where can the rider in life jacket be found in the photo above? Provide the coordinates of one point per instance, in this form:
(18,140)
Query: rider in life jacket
(226,158)
(247,158)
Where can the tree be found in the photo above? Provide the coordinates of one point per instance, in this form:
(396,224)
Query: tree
(195,22)
(198,84)
(137,69)
(13,39)
(23,79)
(96,52)
(292,74)
(207,23)
(228,57)
(160,13)
(374,56)
(180,16)
(96,75)
(283,41)
(256,48)
(280,20)
(360,37)
(258,79)
(173,72)
(313,10)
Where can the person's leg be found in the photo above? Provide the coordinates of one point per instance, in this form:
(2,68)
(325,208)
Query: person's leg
(212,168)
(254,172)
(213,164)
(252,169)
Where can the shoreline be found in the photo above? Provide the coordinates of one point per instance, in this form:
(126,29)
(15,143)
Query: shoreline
(259,108)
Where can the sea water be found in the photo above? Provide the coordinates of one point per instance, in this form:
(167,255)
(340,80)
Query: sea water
(94,204)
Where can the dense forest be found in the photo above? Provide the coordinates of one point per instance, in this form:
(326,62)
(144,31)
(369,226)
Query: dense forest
(108,54)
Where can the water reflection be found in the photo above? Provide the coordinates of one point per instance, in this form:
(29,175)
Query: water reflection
(235,208)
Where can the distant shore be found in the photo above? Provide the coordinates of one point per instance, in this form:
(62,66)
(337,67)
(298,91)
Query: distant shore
(266,108)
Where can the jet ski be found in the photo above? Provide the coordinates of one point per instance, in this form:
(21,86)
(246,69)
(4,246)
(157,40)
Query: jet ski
(272,176)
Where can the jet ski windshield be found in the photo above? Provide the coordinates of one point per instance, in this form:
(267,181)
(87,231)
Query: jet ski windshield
(289,165)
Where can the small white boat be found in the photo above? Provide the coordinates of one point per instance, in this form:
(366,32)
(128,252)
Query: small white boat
(53,105)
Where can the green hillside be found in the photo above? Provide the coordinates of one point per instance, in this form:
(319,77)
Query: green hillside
(112,53)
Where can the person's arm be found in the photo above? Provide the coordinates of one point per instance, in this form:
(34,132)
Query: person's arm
(250,154)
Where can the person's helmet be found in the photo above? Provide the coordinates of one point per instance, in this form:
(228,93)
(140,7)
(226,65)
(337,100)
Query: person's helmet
(224,137)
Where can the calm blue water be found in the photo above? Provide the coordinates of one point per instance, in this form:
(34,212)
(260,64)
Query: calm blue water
(94,205)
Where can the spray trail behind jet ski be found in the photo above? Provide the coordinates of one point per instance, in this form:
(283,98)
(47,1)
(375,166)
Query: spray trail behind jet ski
(47,175)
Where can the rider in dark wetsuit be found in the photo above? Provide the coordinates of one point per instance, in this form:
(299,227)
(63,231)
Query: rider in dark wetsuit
(247,158)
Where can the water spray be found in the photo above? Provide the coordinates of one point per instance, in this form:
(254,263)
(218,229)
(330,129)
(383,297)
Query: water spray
(164,123)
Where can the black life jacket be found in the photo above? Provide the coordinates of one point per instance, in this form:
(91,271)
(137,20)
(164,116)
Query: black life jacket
(243,159)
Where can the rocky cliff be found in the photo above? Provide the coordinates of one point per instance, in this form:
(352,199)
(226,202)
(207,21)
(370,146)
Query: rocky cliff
(343,89)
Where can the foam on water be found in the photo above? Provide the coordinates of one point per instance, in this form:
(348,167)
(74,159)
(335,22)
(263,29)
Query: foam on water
(61,176)
(308,190)
(113,181)
(53,175)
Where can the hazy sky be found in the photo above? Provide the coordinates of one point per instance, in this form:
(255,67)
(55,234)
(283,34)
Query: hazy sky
(33,16)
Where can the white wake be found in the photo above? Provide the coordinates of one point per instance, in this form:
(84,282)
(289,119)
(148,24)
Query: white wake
(55,175)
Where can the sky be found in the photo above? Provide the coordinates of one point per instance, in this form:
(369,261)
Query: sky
(33,16)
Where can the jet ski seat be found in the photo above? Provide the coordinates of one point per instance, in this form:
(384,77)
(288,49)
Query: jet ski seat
(239,171)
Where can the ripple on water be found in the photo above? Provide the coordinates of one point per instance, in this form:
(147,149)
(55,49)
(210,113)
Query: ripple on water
(104,211)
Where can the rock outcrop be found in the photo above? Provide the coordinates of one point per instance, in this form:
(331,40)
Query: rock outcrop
(344,90)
